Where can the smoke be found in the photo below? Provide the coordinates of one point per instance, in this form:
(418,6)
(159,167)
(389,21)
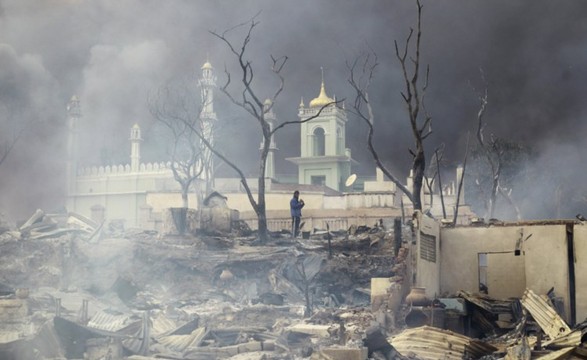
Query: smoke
(112,54)
(28,124)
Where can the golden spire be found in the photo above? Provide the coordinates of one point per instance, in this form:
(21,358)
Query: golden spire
(322,98)
(207,64)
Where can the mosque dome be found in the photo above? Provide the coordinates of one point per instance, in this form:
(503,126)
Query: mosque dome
(322,98)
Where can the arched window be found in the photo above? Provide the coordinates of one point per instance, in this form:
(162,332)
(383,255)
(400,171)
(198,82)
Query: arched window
(319,145)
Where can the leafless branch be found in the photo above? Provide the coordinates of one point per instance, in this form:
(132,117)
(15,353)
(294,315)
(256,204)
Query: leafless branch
(460,186)
(363,109)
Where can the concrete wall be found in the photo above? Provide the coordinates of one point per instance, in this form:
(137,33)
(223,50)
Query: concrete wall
(545,257)
(280,201)
(428,255)
(120,206)
(119,190)
(126,194)
(580,247)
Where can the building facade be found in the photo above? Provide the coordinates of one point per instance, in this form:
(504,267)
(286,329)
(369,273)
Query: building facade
(137,193)
(324,158)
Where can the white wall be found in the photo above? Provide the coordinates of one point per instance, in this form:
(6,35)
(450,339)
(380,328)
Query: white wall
(428,271)
(545,251)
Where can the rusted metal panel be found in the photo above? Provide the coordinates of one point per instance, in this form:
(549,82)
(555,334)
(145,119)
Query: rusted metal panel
(545,315)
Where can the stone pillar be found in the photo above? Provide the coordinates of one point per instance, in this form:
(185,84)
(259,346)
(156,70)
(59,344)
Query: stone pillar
(379,175)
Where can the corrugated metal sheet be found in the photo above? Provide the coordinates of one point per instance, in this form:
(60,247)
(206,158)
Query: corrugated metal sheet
(432,343)
(559,354)
(488,303)
(161,325)
(545,315)
(571,339)
(110,322)
(181,342)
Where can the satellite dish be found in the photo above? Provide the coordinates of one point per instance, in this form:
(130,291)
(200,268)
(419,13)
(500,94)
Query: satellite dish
(351,180)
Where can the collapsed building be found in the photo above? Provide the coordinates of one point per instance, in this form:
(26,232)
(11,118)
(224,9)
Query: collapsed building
(74,289)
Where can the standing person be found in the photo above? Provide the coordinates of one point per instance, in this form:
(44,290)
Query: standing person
(295,206)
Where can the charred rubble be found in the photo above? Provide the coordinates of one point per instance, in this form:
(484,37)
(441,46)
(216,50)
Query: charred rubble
(74,289)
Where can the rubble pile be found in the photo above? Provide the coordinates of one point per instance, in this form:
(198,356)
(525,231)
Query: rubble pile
(96,291)
(74,289)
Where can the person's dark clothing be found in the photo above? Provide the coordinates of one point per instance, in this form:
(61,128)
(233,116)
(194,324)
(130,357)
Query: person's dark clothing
(295,225)
(296,206)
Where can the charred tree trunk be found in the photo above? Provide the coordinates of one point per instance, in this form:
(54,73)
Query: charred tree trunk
(184,198)
(413,96)
(249,101)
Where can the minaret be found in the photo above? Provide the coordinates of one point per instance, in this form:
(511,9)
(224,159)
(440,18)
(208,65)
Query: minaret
(324,158)
(271,119)
(135,148)
(207,83)
(73,116)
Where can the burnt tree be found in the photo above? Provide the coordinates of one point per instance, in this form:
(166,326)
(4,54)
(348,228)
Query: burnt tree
(361,76)
(247,98)
(9,137)
(496,153)
(177,111)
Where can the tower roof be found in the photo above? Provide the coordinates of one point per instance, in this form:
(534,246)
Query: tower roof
(322,98)
(207,65)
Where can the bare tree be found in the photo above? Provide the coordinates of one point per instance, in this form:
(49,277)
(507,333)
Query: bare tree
(180,115)
(6,145)
(432,176)
(493,154)
(361,75)
(248,99)
(460,184)
(9,138)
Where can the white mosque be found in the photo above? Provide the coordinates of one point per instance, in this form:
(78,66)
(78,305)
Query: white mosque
(136,193)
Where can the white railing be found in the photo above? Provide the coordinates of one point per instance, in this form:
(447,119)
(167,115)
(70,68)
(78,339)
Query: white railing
(311,223)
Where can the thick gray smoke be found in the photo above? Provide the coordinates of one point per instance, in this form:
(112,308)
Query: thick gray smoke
(112,54)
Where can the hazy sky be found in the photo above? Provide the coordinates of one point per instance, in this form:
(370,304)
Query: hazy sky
(113,53)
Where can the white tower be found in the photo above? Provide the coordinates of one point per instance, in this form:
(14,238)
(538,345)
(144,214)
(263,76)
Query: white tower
(73,116)
(207,83)
(324,158)
(135,147)
(271,119)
